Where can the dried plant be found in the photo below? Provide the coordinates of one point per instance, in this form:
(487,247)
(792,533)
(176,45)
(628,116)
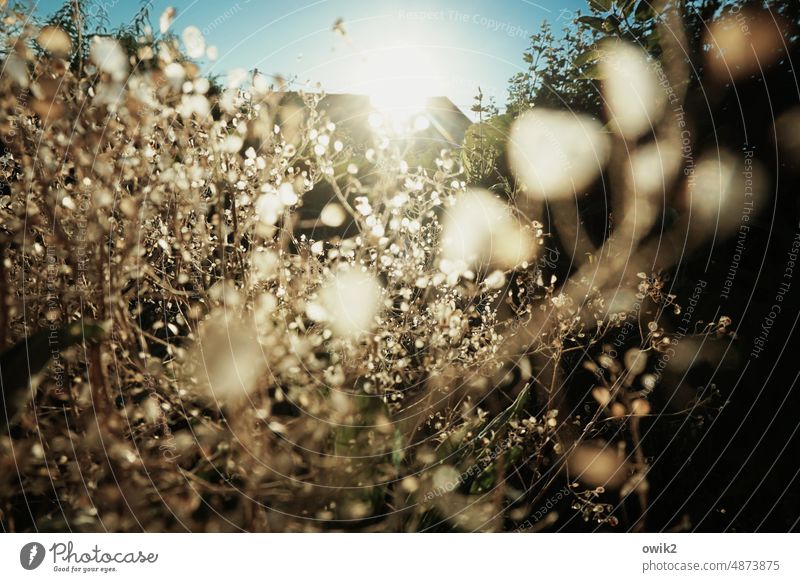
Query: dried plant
(404,359)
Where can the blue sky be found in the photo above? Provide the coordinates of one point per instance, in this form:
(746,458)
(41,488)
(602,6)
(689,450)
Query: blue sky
(394,50)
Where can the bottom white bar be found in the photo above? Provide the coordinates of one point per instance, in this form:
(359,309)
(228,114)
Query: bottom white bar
(401,557)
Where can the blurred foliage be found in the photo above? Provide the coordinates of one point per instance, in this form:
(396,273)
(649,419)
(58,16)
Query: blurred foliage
(364,364)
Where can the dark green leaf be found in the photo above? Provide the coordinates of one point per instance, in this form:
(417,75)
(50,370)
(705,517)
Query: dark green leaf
(644,11)
(593,21)
(514,454)
(626,6)
(610,24)
(484,481)
(398,450)
(591,73)
(588,57)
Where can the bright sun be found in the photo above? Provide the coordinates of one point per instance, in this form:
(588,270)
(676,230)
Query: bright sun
(399,80)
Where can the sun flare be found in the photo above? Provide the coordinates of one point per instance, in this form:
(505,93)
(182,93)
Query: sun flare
(398,79)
